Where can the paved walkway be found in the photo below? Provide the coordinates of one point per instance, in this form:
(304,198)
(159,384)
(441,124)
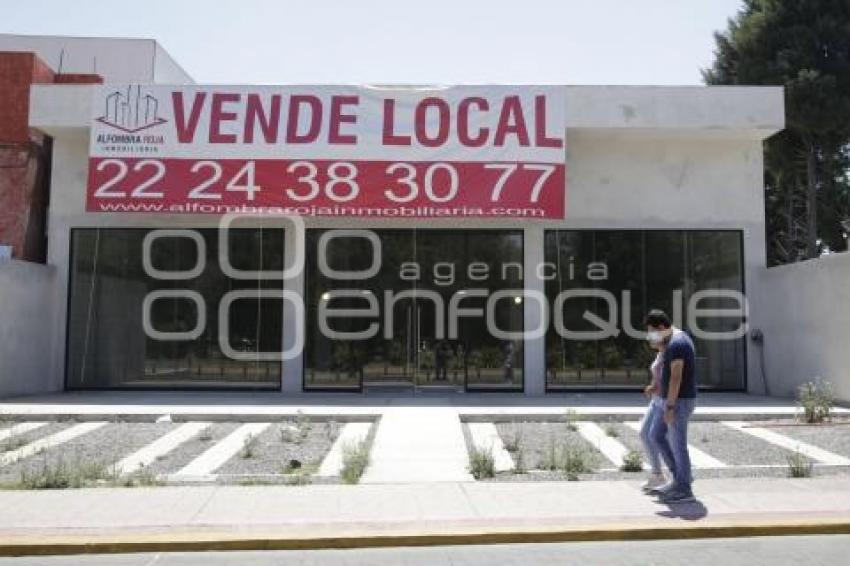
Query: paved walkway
(217,405)
(340,515)
(418,445)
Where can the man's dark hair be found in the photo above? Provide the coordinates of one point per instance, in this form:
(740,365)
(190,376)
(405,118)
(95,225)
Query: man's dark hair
(656,318)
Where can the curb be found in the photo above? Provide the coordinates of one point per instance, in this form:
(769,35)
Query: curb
(203,542)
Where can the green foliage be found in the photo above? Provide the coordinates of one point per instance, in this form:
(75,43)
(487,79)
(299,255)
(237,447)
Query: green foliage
(549,458)
(349,357)
(611,356)
(575,460)
(513,438)
(249,446)
(481,463)
(803,46)
(355,458)
(632,461)
(519,461)
(571,418)
(799,466)
(60,474)
(815,398)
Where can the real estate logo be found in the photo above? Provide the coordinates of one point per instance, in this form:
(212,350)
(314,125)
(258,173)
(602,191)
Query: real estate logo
(131,111)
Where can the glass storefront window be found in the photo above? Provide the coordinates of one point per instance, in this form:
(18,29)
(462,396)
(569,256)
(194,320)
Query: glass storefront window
(613,277)
(418,275)
(132,325)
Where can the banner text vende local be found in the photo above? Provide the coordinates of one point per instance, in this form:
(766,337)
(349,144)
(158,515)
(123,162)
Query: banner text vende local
(431,122)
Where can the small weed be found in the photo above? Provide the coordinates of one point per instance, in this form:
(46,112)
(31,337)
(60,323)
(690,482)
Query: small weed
(142,477)
(249,446)
(611,430)
(575,460)
(549,459)
(632,461)
(332,429)
(513,440)
(816,399)
(205,435)
(302,421)
(571,418)
(355,458)
(519,461)
(61,475)
(289,434)
(298,479)
(481,463)
(799,466)
(13,443)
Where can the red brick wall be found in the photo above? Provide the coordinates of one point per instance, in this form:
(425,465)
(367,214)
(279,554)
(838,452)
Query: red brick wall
(24,156)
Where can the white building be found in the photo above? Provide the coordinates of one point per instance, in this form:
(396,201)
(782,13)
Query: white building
(663,189)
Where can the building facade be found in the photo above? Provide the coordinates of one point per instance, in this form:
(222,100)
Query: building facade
(663,204)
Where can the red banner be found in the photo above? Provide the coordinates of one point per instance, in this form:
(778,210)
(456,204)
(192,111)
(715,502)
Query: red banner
(460,152)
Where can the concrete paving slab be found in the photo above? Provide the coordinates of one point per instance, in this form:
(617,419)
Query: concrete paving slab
(414,445)
(813,452)
(486,407)
(351,434)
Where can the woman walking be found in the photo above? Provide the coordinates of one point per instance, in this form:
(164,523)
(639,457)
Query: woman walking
(653,414)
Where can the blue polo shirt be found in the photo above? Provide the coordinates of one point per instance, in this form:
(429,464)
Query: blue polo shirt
(680,347)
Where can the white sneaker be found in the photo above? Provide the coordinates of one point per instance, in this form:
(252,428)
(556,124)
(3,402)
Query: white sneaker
(654,481)
(662,489)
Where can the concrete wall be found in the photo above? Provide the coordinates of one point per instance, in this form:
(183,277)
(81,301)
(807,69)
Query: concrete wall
(117,60)
(805,316)
(28,301)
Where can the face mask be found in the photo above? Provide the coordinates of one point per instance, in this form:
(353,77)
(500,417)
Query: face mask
(654,337)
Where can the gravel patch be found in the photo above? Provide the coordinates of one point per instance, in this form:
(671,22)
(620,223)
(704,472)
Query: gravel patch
(104,446)
(536,440)
(835,438)
(12,472)
(19,440)
(282,442)
(191,449)
(732,447)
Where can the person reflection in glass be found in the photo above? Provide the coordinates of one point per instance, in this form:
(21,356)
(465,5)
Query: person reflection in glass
(508,365)
(442,351)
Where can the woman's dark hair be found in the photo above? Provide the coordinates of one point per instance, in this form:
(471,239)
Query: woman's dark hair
(656,318)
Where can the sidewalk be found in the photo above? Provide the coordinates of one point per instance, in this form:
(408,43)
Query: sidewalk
(334,516)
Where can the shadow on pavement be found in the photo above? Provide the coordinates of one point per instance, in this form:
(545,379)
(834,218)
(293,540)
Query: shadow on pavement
(688,511)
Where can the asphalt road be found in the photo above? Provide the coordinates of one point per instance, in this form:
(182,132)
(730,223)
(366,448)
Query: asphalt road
(808,550)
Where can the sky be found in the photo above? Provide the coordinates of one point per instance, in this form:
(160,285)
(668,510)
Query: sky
(660,42)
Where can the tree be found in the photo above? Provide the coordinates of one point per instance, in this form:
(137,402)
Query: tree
(803,45)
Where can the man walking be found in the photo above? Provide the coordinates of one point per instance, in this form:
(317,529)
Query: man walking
(678,392)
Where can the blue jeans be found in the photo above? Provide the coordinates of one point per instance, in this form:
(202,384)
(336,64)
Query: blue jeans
(654,411)
(672,442)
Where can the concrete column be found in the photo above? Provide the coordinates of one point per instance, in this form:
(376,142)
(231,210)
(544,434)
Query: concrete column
(535,349)
(293,320)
